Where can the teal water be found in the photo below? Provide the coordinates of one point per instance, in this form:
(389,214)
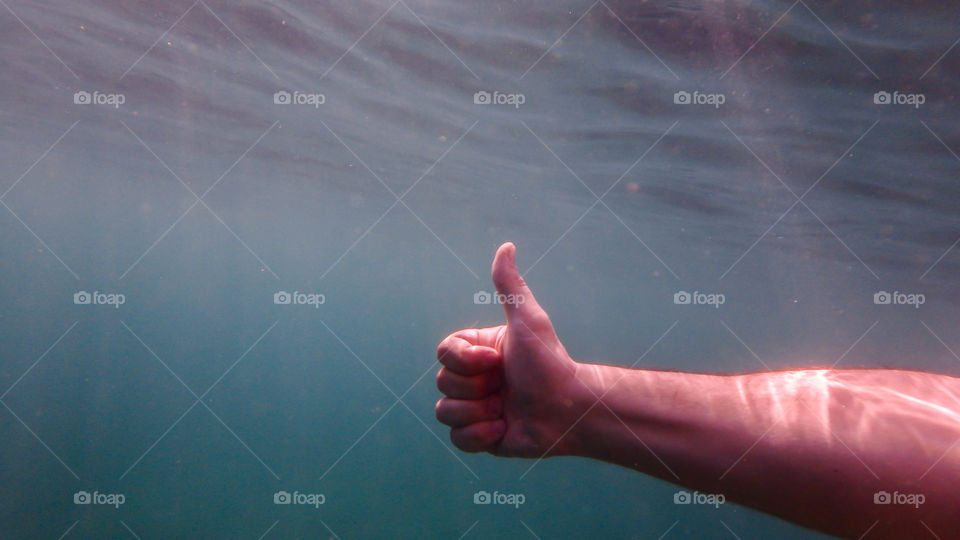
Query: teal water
(200,398)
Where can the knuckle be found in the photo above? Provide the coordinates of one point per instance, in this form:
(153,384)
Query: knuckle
(456,437)
(442,350)
(438,410)
(445,382)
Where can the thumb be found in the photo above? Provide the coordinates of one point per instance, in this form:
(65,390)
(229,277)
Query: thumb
(517,300)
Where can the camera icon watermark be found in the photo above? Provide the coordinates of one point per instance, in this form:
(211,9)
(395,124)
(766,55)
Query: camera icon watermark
(510,499)
(484,297)
(898,98)
(284,298)
(897,298)
(683,97)
(99,298)
(83,97)
(483,97)
(909,499)
(282,97)
(108,499)
(709,499)
(308,499)
(684,298)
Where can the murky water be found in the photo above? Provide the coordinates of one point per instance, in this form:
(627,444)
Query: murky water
(172,169)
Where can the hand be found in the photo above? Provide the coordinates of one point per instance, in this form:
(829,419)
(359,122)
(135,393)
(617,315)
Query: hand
(512,390)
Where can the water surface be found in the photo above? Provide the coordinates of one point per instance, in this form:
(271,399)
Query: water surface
(199,198)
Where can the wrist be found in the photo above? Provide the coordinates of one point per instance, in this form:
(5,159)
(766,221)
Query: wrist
(588,412)
(628,416)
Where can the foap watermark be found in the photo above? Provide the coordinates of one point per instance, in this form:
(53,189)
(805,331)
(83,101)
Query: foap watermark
(897,298)
(483,297)
(98,298)
(697,298)
(482,97)
(909,499)
(699,98)
(282,97)
(709,499)
(510,499)
(898,98)
(107,499)
(307,499)
(83,97)
(284,298)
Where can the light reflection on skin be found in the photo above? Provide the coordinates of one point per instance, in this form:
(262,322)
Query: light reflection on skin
(812,446)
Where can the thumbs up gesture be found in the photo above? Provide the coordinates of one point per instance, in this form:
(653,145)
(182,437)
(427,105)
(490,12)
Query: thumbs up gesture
(511,390)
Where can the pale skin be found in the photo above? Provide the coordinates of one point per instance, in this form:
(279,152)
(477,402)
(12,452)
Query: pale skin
(811,446)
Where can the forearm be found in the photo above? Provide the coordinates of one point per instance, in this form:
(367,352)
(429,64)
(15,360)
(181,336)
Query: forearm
(812,446)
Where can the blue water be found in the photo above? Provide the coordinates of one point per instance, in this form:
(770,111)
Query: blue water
(199,398)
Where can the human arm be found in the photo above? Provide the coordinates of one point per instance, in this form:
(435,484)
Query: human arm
(811,446)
